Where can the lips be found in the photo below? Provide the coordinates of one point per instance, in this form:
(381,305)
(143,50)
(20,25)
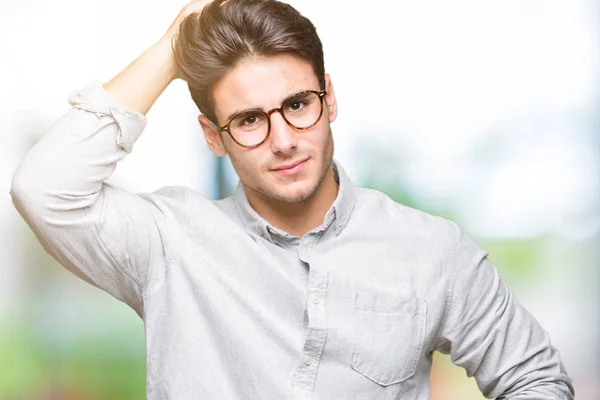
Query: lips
(289,166)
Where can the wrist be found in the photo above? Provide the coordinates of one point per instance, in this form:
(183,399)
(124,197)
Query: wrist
(164,53)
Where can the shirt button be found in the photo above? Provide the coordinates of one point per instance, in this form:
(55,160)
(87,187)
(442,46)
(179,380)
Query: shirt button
(308,359)
(315,298)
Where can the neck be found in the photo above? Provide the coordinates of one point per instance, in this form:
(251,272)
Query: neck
(296,218)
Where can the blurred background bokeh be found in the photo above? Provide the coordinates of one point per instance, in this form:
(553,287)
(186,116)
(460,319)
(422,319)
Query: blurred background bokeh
(487,113)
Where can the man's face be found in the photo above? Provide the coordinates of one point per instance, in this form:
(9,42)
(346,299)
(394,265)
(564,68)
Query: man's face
(265,84)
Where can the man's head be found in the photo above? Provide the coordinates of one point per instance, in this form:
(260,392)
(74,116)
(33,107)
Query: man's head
(239,55)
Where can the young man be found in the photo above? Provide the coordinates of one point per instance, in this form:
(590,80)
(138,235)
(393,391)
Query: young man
(301,285)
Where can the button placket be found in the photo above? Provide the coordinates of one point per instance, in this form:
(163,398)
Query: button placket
(305,253)
(315,298)
(308,359)
(306,370)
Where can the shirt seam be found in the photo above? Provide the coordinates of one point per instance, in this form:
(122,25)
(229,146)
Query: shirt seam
(108,252)
(450,285)
(149,288)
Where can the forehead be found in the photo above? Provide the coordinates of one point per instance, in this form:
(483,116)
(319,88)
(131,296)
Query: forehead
(262,83)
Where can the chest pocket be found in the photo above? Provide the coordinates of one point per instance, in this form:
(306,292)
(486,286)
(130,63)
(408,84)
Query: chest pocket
(388,335)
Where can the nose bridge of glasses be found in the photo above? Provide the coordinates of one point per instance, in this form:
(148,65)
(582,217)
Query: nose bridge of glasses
(282,132)
(279,110)
(281,114)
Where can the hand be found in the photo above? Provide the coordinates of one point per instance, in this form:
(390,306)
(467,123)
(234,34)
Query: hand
(194,6)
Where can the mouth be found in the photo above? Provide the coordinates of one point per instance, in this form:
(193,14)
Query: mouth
(290,169)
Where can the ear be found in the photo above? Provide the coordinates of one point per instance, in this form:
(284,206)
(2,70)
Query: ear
(331,104)
(212,136)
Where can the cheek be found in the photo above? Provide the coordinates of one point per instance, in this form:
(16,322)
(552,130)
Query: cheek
(250,164)
(317,139)
(325,139)
(239,164)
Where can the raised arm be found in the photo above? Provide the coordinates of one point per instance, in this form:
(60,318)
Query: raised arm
(102,233)
(139,85)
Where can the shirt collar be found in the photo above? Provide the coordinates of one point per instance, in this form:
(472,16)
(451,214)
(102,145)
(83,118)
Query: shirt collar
(337,215)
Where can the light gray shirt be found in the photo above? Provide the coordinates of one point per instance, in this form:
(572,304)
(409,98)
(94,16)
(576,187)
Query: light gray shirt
(235,308)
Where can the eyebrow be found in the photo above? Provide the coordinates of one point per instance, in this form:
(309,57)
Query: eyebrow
(257,109)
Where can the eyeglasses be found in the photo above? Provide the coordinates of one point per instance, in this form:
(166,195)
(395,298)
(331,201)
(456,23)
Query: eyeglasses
(300,111)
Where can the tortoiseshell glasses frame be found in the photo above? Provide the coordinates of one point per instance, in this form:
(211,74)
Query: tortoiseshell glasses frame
(227,127)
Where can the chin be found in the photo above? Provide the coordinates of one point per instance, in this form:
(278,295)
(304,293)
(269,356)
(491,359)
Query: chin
(294,193)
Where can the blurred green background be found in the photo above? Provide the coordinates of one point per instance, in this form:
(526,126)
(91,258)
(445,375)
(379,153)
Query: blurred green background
(484,113)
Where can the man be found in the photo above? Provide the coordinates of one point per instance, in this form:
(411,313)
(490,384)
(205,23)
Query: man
(301,285)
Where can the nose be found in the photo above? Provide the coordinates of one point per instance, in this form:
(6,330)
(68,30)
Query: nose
(283,138)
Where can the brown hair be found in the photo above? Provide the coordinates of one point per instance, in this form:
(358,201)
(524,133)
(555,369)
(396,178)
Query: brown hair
(212,42)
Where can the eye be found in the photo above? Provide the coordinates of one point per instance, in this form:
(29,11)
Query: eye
(297,105)
(247,120)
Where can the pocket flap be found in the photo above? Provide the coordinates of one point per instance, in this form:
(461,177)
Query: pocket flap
(389,303)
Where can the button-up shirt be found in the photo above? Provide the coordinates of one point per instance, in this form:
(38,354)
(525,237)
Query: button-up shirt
(235,308)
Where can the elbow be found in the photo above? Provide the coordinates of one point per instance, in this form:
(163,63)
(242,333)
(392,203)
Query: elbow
(20,186)
(30,190)
(542,384)
(549,390)
(49,201)
(24,192)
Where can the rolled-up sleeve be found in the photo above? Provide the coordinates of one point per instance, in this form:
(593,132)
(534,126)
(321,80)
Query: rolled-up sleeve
(490,334)
(102,233)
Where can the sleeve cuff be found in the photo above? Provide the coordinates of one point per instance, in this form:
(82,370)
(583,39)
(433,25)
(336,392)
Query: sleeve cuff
(94,98)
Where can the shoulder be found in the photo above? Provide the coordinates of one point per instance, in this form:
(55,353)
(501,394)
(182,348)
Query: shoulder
(415,228)
(178,203)
(171,197)
(375,207)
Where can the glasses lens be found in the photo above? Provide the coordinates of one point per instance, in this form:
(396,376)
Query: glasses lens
(249,128)
(303,110)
